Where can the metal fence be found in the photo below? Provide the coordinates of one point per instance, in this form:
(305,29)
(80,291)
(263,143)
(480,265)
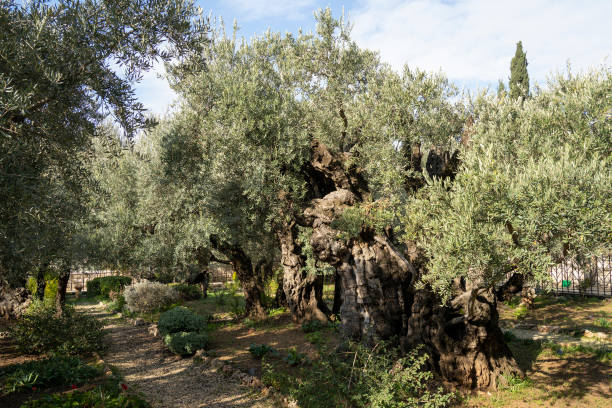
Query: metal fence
(220,274)
(594,278)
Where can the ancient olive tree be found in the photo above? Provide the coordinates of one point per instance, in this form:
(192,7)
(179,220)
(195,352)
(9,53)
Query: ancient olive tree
(397,186)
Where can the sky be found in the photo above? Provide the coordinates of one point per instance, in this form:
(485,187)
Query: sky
(471,41)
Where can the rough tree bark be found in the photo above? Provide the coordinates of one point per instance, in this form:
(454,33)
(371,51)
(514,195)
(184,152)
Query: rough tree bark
(303,291)
(337,294)
(13,302)
(380,299)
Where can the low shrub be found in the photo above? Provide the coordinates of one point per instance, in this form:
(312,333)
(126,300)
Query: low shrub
(360,378)
(50,288)
(186,343)
(260,350)
(54,371)
(146,297)
(520,312)
(116,305)
(40,331)
(99,397)
(310,326)
(103,286)
(294,357)
(180,319)
(188,292)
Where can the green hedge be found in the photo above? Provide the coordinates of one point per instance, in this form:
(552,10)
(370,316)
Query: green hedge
(104,285)
(187,292)
(180,319)
(54,371)
(41,331)
(186,344)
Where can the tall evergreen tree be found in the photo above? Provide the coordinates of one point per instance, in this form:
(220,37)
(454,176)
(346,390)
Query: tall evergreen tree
(519,77)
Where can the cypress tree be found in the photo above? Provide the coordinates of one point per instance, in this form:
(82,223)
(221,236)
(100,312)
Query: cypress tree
(519,78)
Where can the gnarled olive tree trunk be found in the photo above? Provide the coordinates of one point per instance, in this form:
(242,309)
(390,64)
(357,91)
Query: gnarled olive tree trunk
(381,300)
(303,291)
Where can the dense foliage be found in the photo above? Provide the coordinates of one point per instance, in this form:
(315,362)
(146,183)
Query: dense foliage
(519,77)
(180,319)
(54,371)
(360,377)
(64,66)
(41,330)
(186,343)
(533,188)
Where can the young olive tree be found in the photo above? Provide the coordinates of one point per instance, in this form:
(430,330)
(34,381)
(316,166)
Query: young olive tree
(58,73)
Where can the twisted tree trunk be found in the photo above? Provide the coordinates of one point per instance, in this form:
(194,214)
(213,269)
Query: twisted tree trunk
(303,291)
(380,298)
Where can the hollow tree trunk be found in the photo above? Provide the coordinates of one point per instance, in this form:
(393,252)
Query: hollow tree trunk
(463,338)
(62,286)
(303,291)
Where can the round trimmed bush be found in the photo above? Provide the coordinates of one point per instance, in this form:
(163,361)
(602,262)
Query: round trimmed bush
(180,319)
(145,297)
(184,343)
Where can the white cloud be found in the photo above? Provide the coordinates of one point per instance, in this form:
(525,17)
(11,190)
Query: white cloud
(475,39)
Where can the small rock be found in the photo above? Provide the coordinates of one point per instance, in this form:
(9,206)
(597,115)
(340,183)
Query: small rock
(548,329)
(119,315)
(153,330)
(589,334)
(139,321)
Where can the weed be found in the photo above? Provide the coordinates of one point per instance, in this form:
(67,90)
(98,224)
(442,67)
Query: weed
(260,350)
(316,338)
(602,322)
(516,385)
(295,358)
(520,312)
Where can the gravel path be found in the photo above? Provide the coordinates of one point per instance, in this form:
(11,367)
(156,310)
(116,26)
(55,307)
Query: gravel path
(166,380)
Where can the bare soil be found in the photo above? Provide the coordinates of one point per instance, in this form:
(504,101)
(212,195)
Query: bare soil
(167,380)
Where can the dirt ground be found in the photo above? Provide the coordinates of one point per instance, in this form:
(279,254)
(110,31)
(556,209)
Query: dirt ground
(571,312)
(167,380)
(570,379)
